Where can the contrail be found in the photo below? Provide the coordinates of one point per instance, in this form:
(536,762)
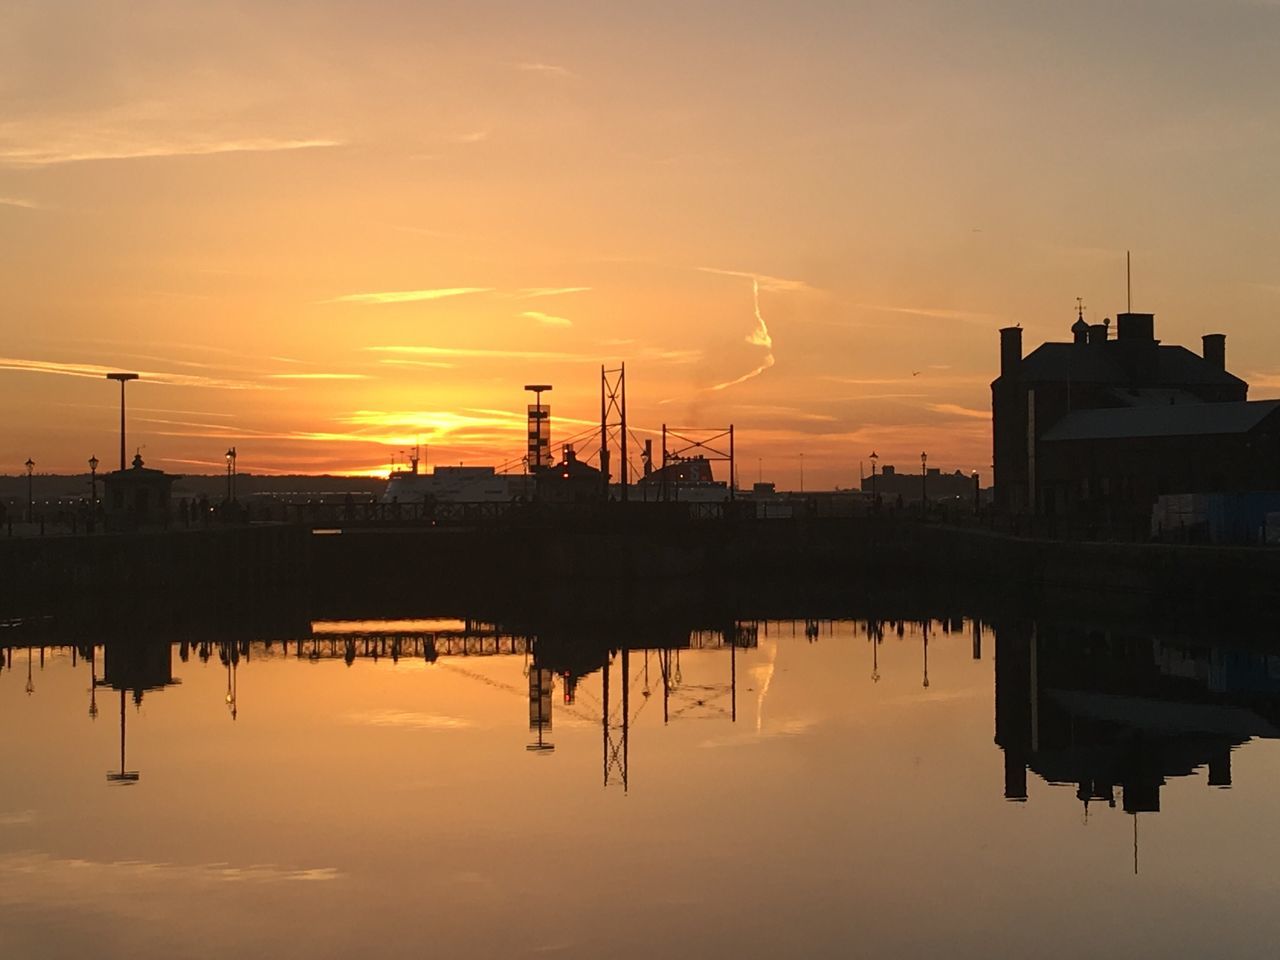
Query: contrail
(758,337)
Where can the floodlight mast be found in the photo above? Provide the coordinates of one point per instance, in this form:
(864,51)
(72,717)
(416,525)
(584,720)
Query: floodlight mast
(123,378)
(538,389)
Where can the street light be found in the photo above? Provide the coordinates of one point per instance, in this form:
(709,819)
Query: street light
(874,458)
(93,491)
(924,474)
(30,465)
(231,474)
(123,378)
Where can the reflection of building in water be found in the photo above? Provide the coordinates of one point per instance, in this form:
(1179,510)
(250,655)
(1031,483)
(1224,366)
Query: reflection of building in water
(1104,711)
(135,668)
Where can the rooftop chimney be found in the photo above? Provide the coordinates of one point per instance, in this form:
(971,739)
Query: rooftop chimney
(1097,334)
(1215,349)
(1010,349)
(1134,327)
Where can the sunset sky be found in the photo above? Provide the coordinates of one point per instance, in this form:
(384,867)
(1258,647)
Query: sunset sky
(322,230)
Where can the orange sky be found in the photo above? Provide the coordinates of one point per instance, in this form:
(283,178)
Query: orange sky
(323,230)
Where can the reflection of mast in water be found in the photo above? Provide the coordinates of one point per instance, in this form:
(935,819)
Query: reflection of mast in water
(617,735)
(31,686)
(540,686)
(123,777)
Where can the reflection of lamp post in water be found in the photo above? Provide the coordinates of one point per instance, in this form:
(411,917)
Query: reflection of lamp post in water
(925,627)
(123,777)
(31,685)
(232,664)
(93,683)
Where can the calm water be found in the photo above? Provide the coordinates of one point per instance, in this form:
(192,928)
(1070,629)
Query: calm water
(766,789)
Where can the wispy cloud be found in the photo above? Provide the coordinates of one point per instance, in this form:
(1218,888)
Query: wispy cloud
(763,281)
(530,292)
(19,202)
(433,364)
(76,150)
(319,376)
(655,354)
(547,69)
(955,410)
(547,319)
(96,372)
(408,296)
(469,136)
(759,337)
(937,313)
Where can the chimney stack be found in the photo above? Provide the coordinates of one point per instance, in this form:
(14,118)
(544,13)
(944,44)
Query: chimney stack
(1215,349)
(1136,327)
(1010,349)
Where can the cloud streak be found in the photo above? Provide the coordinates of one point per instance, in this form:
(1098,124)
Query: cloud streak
(75,151)
(763,281)
(94,371)
(319,376)
(408,296)
(646,353)
(547,319)
(530,293)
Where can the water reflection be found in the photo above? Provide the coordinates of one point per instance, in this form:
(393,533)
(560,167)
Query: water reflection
(1114,714)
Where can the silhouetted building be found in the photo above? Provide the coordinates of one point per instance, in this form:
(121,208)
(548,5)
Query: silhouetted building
(571,481)
(1120,380)
(889,484)
(137,497)
(1111,465)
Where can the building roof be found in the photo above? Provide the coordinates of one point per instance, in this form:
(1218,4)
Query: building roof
(1103,363)
(1173,420)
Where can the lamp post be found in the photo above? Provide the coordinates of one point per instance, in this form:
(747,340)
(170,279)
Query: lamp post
(231,474)
(93,491)
(123,378)
(874,458)
(30,465)
(924,481)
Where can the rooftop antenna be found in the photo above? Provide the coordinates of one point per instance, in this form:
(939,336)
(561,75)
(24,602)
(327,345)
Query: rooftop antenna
(1128,279)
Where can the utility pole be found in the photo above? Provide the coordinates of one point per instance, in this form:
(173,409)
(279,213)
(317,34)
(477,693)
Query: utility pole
(924,481)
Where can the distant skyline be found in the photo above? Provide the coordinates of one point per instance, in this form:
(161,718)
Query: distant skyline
(323,231)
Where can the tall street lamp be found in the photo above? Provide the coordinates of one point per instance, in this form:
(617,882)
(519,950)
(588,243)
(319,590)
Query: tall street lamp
(30,465)
(231,474)
(93,491)
(874,458)
(123,378)
(924,480)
